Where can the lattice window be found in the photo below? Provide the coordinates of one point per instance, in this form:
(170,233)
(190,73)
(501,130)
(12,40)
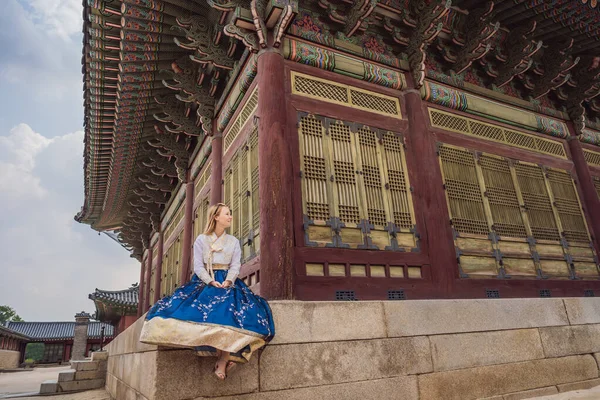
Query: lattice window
(240,121)
(241,193)
(502,197)
(537,201)
(153,276)
(355,177)
(592,157)
(373,102)
(171,267)
(305,85)
(567,205)
(320,89)
(314,169)
(597,185)
(463,191)
(496,133)
(254,181)
(395,161)
(345,173)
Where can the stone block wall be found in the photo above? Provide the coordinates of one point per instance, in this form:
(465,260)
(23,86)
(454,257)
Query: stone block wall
(427,349)
(9,359)
(83,375)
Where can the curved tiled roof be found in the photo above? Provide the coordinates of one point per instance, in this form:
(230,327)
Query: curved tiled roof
(46,331)
(5,332)
(126,298)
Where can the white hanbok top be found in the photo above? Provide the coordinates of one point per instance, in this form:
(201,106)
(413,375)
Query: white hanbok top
(225,249)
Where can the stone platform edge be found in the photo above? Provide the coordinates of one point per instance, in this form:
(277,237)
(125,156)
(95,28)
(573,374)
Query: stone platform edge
(420,349)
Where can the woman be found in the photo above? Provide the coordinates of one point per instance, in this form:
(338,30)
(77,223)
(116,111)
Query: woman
(215,313)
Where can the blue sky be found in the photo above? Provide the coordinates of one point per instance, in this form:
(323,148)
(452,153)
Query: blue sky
(48,262)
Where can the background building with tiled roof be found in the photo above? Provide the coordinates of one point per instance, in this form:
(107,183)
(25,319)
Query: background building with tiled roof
(118,308)
(12,347)
(58,337)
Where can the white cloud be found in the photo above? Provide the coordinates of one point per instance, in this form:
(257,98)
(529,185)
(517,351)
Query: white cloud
(50,263)
(60,18)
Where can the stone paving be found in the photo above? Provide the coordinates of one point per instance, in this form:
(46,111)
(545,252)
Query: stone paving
(590,394)
(98,394)
(27,381)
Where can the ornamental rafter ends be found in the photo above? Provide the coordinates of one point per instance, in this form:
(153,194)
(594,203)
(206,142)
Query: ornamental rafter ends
(515,56)
(425,19)
(201,37)
(584,85)
(264,16)
(472,39)
(167,145)
(353,18)
(174,117)
(186,78)
(552,70)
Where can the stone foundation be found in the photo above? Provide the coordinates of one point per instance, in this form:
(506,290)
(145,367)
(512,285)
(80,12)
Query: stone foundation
(427,349)
(9,359)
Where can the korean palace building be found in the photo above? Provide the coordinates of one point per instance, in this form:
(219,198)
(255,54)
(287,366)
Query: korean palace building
(369,150)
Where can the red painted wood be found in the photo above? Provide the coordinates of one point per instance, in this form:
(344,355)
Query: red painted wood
(429,194)
(148,277)
(188,218)
(216,171)
(588,194)
(158,272)
(275,180)
(141,290)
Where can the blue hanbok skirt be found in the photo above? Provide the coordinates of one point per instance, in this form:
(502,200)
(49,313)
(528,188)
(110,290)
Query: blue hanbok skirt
(206,319)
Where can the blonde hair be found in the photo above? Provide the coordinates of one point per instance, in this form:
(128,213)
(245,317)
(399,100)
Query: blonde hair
(211,222)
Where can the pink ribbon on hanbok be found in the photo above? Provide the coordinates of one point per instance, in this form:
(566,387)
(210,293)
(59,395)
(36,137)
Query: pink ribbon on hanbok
(213,249)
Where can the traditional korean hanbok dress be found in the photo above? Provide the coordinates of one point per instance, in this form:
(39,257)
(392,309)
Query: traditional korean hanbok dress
(206,318)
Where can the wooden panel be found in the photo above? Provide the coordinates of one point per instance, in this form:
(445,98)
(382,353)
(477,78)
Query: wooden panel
(315,269)
(597,185)
(586,269)
(337,269)
(254,189)
(474,245)
(567,204)
(473,265)
(414,272)
(396,272)
(358,270)
(377,271)
(555,268)
(519,266)
(319,235)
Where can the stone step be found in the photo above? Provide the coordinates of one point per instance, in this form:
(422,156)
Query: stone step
(85,365)
(100,356)
(66,376)
(49,386)
(81,385)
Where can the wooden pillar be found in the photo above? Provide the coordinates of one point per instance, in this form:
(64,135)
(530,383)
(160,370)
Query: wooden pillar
(275,179)
(141,290)
(187,233)
(430,195)
(148,277)
(158,272)
(590,201)
(22,348)
(216,172)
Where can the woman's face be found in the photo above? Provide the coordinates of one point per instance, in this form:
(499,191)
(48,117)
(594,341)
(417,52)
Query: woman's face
(224,218)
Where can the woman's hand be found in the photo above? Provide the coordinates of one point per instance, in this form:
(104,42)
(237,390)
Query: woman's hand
(216,284)
(227,284)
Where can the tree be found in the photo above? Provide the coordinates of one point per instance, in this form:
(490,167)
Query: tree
(8,314)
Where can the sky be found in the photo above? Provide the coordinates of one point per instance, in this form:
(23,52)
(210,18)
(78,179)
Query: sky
(49,263)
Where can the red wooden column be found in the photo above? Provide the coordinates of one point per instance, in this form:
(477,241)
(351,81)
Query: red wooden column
(430,194)
(275,179)
(148,276)
(187,233)
(141,290)
(590,201)
(216,172)
(158,273)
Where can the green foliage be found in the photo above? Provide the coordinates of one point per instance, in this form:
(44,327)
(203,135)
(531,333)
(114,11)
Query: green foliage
(8,314)
(34,351)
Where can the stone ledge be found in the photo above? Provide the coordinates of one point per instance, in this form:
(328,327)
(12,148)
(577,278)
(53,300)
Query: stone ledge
(562,341)
(49,386)
(404,388)
(458,316)
(465,350)
(583,310)
(567,387)
(66,376)
(314,364)
(85,375)
(352,320)
(488,381)
(85,365)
